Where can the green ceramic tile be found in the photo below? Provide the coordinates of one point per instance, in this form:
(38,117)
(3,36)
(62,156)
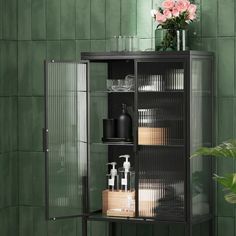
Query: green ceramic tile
(38,123)
(128,17)
(144,230)
(226,66)
(79,231)
(1,19)
(9,180)
(146,45)
(4,222)
(9,68)
(65,227)
(53,19)
(205,229)
(83,19)
(68,50)
(195,29)
(13,219)
(10,19)
(234,120)
(54,227)
(225,226)
(1,68)
(177,230)
(98,26)
(209,15)
(113,17)
(195,43)
(129,229)
(209,44)
(196,230)
(5,125)
(37,67)
(24,68)
(69,227)
(24,19)
(82,46)
(68,19)
(96,228)
(1,124)
(225,119)
(9,221)
(53,50)
(38,19)
(156,4)
(31,178)
(98,45)
(32,221)
(225,20)
(144,19)
(30,123)
(160,229)
(26,221)
(98,165)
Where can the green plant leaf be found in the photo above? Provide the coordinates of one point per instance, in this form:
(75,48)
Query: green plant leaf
(226,149)
(229,183)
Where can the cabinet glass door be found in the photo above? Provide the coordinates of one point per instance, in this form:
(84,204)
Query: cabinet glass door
(66,136)
(160,138)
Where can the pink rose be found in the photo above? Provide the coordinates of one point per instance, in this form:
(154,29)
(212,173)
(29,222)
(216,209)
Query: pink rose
(160,18)
(168,4)
(191,16)
(182,5)
(192,9)
(167,13)
(175,12)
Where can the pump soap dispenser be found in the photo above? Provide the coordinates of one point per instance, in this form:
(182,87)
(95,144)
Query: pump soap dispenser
(124,125)
(113,178)
(126,174)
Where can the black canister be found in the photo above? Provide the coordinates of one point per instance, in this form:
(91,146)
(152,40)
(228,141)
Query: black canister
(124,125)
(109,128)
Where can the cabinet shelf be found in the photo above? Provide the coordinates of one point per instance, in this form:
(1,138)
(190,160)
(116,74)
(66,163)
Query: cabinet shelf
(143,92)
(157,219)
(113,143)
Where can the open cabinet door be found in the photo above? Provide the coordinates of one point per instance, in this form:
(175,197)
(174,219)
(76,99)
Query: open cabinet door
(66,138)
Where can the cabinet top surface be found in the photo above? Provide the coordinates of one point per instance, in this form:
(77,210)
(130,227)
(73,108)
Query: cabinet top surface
(106,56)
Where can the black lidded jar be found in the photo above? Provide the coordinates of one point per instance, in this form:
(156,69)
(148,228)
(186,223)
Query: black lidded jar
(124,125)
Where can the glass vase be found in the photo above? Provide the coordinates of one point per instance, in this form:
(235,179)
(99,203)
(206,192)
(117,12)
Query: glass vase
(171,40)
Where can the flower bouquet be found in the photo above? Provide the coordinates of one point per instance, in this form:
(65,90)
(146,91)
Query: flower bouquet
(173,18)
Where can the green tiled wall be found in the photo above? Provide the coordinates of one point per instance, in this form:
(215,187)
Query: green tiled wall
(9,188)
(34,30)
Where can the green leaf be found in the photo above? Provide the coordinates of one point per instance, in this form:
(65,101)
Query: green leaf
(226,149)
(229,183)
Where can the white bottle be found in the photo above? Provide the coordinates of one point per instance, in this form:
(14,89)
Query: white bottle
(126,175)
(113,178)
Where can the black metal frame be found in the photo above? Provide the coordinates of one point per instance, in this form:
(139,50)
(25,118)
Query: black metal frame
(183,57)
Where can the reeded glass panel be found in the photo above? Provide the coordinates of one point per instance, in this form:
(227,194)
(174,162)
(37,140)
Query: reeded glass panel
(66,99)
(98,151)
(201,134)
(161,140)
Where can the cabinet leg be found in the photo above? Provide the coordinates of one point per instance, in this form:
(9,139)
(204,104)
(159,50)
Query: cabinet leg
(84,227)
(188,230)
(111,229)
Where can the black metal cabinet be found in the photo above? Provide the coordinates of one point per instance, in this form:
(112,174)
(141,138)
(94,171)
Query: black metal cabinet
(171,109)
